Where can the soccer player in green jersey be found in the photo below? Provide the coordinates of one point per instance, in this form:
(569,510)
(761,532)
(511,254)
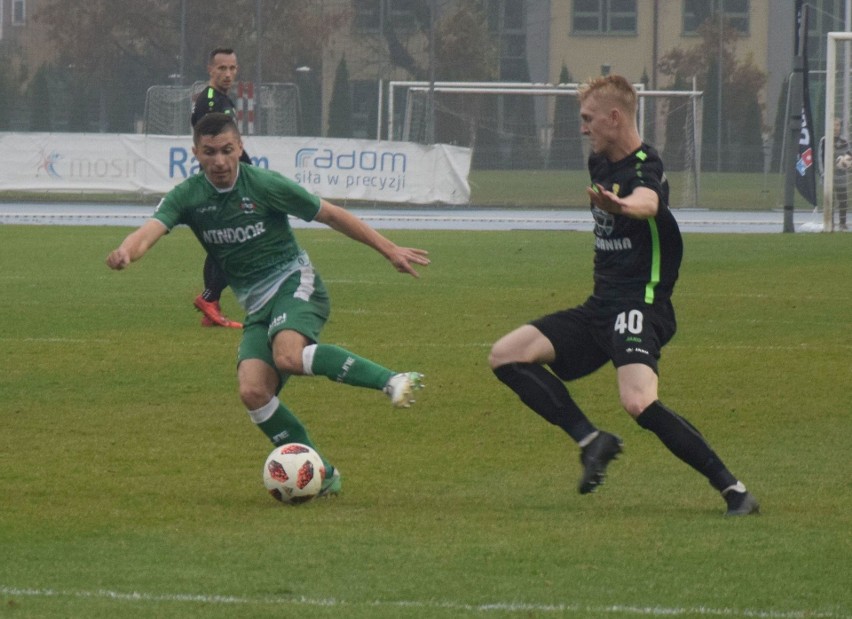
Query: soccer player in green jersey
(240,215)
(629,317)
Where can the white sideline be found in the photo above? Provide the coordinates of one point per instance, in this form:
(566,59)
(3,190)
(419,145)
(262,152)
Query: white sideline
(519,607)
(424,218)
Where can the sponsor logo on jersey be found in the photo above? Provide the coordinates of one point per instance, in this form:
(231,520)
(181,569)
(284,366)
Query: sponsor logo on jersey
(604,226)
(612,244)
(604,222)
(247,206)
(232,236)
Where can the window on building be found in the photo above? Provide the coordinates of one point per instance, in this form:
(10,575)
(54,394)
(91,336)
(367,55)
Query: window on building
(507,22)
(402,14)
(696,12)
(604,17)
(513,15)
(505,16)
(368,15)
(372,15)
(19,12)
(364,101)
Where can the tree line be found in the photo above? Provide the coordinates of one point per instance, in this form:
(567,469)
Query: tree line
(108,53)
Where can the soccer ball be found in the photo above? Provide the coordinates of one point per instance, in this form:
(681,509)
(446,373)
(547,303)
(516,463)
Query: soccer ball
(293,473)
(843,162)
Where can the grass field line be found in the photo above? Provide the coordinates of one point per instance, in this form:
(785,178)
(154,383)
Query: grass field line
(502,607)
(770,347)
(56,340)
(748,347)
(481,345)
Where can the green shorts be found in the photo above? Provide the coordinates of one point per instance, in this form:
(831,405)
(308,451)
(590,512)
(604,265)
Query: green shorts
(301,306)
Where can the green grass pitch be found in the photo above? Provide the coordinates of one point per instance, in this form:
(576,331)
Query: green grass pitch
(130,474)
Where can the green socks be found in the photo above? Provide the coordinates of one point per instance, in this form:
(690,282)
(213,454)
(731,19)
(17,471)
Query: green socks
(342,366)
(281,426)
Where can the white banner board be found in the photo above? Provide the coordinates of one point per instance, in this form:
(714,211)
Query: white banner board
(335,169)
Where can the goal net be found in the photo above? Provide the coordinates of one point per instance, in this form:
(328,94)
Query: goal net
(277,109)
(838,111)
(168,108)
(537,127)
(273,109)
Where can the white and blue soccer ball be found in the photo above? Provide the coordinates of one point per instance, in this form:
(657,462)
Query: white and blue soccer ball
(293,473)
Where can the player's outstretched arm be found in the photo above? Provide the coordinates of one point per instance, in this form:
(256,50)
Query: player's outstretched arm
(402,258)
(136,244)
(641,204)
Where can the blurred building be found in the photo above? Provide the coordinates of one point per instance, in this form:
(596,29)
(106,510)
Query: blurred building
(535,38)
(386,40)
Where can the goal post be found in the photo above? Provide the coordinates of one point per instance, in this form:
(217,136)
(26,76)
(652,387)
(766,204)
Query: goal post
(494,116)
(838,105)
(168,108)
(271,109)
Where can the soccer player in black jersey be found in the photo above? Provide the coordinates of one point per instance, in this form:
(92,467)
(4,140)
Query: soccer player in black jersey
(629,316)
(222,67)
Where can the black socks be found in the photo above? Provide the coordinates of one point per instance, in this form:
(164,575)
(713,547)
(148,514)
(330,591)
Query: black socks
(686,442)
(546,395)
(214,280)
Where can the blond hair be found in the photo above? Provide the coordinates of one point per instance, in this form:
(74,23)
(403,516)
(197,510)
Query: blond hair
(614,89)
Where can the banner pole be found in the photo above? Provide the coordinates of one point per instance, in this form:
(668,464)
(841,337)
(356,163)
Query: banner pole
(795,132)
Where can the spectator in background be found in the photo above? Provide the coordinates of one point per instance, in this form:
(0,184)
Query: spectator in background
(222,68)
(842,164)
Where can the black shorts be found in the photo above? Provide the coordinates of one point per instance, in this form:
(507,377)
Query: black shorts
(587,336)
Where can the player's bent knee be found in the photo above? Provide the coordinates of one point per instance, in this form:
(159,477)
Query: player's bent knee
(289,362)
(501,353)
(254,396)
(635,404)
(495,360)
(523,345)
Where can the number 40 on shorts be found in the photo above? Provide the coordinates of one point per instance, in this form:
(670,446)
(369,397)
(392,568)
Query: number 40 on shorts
(629,322)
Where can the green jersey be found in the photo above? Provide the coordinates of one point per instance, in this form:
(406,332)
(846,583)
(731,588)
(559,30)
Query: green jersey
(245,228)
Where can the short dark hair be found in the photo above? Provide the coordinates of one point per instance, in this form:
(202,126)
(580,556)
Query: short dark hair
(220,50)
(213,124)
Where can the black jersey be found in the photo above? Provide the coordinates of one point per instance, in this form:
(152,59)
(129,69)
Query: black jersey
(635,259)
(212,100)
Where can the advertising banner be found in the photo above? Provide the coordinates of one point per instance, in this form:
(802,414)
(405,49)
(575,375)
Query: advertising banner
(805,168)
(335,169)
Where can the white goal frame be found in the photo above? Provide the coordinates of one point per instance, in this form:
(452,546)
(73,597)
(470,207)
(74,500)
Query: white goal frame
(832,39)
(505,88)
(695,97)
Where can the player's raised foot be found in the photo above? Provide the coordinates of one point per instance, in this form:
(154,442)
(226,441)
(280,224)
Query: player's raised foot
(232,324)
(595,457)
(206,322)
(331,485)
(213,313)
(401,388)
(740,503)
